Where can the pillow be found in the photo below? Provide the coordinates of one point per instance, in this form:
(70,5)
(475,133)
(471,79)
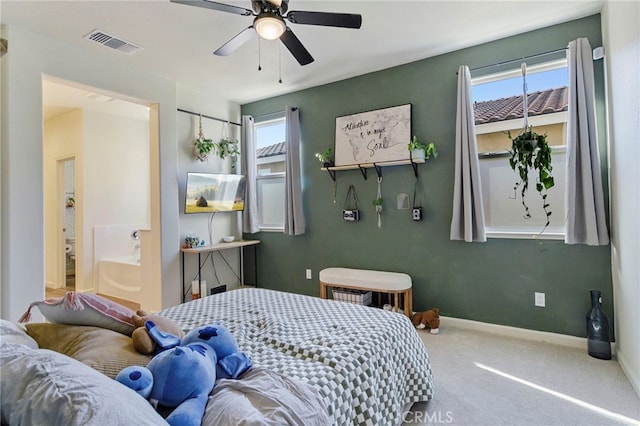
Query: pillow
(105,350)
(84,309)
(13,333)
(42,387)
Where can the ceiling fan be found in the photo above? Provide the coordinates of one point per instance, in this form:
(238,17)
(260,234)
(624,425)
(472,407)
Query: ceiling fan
(269,23)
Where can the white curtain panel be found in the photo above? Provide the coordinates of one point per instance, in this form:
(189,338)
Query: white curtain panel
(584,199)
(467,222)
(294,223)
(250,214)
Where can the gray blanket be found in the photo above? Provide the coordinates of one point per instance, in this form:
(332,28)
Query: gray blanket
(264,397)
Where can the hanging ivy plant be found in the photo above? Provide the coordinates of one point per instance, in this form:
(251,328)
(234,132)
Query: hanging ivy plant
(529,150)
(228,147)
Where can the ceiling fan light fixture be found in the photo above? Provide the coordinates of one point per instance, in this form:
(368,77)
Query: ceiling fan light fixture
(269,27)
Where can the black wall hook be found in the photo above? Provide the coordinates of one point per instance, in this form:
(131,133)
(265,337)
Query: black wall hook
(363,171)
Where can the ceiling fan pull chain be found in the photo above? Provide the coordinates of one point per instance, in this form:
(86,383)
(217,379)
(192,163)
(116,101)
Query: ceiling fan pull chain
(280,63)
(259,55)
(525,100)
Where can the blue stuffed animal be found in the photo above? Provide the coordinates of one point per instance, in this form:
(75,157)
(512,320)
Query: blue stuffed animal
(181,377)
(231,362)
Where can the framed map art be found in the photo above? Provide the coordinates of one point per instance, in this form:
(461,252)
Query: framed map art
(373,136)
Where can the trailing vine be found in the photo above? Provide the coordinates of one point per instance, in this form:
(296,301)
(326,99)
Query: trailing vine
(531,150)
(227,147)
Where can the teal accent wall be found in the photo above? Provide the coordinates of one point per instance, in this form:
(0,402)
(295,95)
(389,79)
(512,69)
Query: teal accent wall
(492,282)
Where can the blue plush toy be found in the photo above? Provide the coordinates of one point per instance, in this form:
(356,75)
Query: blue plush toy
(231,362)
(181,377)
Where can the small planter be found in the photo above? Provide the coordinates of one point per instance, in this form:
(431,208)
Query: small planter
(200,155)
(421,151)
(418,154)
(326,157)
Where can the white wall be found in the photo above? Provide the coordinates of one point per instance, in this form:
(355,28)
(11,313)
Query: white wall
(621,35)
(223,223)
(31,57)
(116,181)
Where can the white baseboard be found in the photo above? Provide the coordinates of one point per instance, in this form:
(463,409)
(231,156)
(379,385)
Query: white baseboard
(633,379)
(522,333)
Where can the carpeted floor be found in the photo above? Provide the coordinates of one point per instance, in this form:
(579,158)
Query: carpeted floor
(488,379)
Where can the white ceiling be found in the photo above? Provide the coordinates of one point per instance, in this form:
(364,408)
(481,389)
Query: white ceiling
(178,40)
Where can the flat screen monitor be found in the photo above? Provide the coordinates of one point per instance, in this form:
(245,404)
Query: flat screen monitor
(214,192)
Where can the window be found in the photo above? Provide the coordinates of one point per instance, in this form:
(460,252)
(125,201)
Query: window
(271,172)
(498,110)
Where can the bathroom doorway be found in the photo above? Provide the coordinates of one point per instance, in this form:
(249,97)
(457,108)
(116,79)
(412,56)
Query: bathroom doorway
(66,175)
(97,172)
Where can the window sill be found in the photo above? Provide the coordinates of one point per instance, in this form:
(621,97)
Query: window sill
(271,229)
(522,234)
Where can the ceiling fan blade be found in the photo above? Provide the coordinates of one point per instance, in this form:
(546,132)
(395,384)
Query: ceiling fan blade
(329,19)
(216,6)
(229,47)
(296,48)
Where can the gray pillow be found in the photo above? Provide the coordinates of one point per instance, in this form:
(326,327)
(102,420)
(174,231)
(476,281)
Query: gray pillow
(13,333)
(41,387)
(104,350)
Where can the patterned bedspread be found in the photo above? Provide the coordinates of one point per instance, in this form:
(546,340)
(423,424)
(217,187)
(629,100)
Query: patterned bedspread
(367,363)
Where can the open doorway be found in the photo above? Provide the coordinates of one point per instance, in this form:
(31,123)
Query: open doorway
(97,174)
(62,229)
(67,199)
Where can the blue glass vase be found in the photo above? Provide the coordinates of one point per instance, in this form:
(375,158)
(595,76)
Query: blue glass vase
(598,339)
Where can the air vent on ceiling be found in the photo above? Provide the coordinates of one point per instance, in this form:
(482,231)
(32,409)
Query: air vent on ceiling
(113,42)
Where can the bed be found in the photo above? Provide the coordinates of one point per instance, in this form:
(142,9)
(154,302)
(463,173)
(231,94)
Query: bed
(348,363)
(368,364)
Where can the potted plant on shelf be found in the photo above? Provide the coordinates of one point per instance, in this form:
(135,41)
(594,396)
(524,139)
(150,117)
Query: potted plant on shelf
(530,150)
(326,157)
(422,151)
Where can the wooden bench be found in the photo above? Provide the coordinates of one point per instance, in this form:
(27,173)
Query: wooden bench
(363,279)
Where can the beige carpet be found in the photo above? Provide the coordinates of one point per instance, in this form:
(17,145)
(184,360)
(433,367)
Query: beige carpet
(487,379)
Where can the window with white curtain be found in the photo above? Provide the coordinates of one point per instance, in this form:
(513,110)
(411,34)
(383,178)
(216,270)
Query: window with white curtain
(271,171)
(498,110)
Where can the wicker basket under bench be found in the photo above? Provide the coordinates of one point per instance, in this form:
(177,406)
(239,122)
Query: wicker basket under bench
(392,283)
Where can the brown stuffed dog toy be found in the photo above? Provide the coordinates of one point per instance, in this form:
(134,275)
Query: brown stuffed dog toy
(142,341)
(430,318)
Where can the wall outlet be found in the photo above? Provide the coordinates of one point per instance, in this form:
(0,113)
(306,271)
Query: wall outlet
(308,274)
(540,299)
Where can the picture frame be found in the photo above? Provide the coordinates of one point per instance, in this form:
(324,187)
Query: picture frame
(373,137)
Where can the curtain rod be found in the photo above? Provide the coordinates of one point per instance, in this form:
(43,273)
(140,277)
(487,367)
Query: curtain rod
(510,61)
(270,114)
(209,117)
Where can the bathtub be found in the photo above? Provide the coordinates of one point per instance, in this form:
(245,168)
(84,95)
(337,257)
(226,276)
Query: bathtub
(120,277)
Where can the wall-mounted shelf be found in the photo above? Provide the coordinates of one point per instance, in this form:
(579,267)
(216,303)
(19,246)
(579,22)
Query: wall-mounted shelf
(378,166)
